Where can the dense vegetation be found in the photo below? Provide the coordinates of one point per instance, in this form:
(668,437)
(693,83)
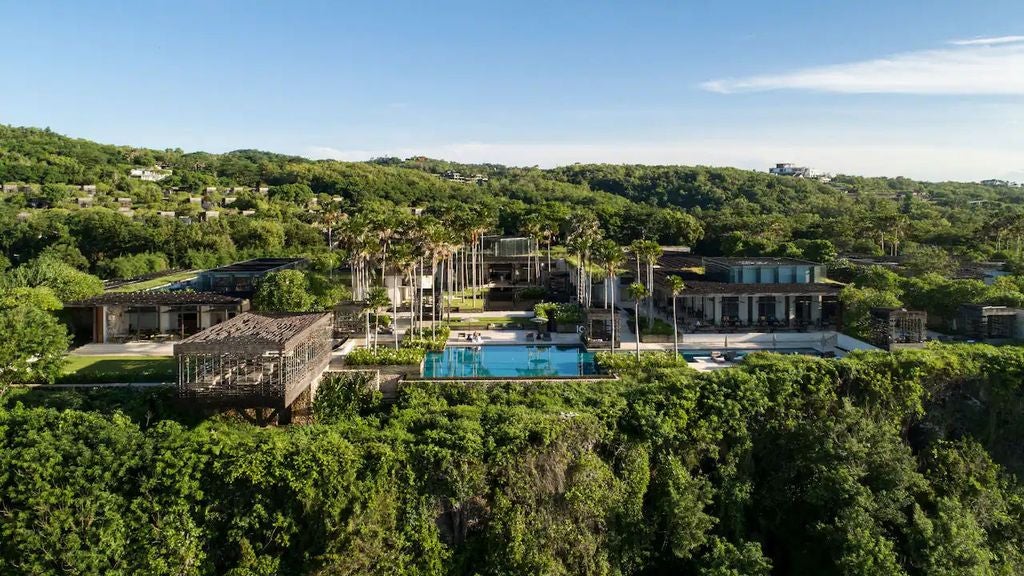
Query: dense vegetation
(720,210)
(877,464)
(904,463)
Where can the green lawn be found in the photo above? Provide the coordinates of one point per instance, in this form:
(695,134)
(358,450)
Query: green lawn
(498,319)
(104,369)
(157,282)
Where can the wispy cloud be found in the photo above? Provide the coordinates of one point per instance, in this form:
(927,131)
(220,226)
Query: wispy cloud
(970,67)
(988,41)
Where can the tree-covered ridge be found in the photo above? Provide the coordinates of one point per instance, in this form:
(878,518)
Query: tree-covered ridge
(876,464)
(739,211)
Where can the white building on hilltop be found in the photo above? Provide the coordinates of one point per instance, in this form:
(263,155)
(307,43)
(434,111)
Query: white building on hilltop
(787,169)
(154,174)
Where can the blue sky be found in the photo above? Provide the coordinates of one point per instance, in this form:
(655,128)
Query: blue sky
(923,89)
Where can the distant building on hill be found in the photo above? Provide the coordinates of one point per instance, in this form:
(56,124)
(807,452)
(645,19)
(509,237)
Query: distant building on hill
(453,176)
(154,174)
(787,169)
(1000,183)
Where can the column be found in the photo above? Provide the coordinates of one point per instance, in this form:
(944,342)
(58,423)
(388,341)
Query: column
(791,314)
(718,310)
(743,307)
(780,307)
(816,309)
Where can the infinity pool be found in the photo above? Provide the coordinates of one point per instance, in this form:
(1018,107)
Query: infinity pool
(499,361)
(691,355)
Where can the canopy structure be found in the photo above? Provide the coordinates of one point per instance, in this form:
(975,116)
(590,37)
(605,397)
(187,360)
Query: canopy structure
(255,360)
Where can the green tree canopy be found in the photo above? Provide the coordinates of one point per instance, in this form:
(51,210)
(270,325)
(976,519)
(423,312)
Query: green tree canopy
(284,291)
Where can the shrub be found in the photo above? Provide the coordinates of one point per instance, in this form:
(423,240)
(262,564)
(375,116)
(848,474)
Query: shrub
(660,327)
(344,395)
(424,340)
(532,293)
(562,313)
(626,361)
(385,357)
(124,267)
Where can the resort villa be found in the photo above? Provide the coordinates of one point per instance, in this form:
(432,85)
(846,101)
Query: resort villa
(730,293)
(748,292)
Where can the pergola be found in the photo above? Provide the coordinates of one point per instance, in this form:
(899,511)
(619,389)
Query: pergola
(898,327)
(255,360)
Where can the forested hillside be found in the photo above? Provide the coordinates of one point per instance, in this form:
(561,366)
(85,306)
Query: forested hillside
(877,464)
(720,210)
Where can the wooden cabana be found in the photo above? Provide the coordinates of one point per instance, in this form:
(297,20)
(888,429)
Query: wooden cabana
(255,361)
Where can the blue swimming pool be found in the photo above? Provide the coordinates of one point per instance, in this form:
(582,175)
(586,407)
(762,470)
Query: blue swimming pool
(691,355)
(499,361)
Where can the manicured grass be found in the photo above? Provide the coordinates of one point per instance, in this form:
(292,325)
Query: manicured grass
(157,282)
(456,322)
(105,369)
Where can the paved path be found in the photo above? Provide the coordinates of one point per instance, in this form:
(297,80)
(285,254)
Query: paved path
(511,337)
(126,349)
(100,385)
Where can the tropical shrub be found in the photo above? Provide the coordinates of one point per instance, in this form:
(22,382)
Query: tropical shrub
(385,356)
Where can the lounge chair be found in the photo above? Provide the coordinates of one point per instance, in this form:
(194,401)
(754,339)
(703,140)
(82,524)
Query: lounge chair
(530,337)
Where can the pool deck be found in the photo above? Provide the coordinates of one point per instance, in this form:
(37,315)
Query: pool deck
(511,337)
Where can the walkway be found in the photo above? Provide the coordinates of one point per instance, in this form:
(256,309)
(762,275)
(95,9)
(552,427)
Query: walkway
(126,349)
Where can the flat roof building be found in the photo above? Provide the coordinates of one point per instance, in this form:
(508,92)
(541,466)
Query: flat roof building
(240,279)
(115,317)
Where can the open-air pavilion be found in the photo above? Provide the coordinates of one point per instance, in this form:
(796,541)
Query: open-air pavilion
(261,361)
(115,317)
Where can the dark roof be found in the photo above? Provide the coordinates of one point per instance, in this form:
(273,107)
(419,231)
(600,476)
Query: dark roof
(887,312)
(155,299)
(700,288)
(698,284)
(757,261)
(677,261)
(253,328)
(258,265)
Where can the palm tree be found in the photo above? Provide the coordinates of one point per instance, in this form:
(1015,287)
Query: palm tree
(401,262)
(676,285)
(532,226)
(637,292)
(647,251)
(376,300)
(610,255)
(584,234)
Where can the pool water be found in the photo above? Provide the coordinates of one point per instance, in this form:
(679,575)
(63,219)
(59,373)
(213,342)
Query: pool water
(691,355)
(509,362)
